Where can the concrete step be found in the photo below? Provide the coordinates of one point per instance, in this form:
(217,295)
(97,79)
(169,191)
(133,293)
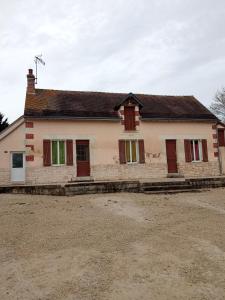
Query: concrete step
(167,187)
(175,191)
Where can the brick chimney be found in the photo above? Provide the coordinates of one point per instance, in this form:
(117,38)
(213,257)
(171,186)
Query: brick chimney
(30,82)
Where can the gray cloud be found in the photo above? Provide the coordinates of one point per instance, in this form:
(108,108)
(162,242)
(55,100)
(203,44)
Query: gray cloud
(149,46)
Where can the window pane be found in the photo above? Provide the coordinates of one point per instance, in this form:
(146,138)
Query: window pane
(134,154)
(61,152)
(192,151)
(54,153)
(17,160)
(128,151)
(83,152)
(197,157)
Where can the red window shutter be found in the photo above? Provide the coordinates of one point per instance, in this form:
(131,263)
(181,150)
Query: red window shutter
(221,138)
(69,152)
(46,153)
(204,150)
(141,151)
(122,152)
(187,150)
(129,118)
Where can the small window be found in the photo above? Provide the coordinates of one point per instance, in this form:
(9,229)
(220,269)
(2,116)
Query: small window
(196,150)
(17,160)
(132,153)
(129,118)
(58,152)
(82,152)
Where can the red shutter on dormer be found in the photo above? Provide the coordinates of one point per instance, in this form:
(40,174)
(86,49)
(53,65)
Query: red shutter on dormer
(141,151)
(69,152)
(129,118)
(204,150)
(187,150)
(46,153)
(221,137)
(122,154)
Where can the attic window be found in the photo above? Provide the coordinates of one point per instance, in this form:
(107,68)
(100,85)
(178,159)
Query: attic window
(129,117)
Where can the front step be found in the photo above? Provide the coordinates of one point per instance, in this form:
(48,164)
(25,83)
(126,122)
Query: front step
(174,191)
(167,187)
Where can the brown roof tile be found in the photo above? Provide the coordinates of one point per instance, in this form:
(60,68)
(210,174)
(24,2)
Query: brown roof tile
(73,104)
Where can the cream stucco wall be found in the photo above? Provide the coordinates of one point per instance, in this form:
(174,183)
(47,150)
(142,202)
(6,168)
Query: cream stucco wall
(104,153)
(15,141)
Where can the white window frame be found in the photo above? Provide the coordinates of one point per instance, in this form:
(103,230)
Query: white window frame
(137,152)
(200,150)
(58,164)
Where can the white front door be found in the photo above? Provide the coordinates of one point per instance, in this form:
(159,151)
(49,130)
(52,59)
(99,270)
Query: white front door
(17,167)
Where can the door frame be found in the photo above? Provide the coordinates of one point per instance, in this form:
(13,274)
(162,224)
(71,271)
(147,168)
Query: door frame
(24,167)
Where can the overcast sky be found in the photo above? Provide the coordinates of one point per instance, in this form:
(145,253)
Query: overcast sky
(174,47)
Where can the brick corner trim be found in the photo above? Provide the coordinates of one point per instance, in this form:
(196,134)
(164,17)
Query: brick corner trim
(29,136)
(216,154)
(31,147)
(29,124)
(29,158)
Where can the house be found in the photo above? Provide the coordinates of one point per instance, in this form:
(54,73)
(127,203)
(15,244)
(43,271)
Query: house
(66,136)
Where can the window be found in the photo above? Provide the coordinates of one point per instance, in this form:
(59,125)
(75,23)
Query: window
(83,152)
(132,152)
(221,137)
(17,160)
(129,117)
(58,152)
(196,150)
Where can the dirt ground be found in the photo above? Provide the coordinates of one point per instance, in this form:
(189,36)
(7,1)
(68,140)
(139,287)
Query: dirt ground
(113,246)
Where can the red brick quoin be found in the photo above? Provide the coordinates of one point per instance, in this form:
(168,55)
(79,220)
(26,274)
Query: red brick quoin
(29,124)
(31,147)
(29,136)
(29,158)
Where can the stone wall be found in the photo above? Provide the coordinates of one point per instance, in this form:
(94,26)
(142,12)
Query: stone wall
(64,174)
(129,171)
(61,174)
(199,169)
(4,176)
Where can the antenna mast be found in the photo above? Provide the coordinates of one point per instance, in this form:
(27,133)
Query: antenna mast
(38,60)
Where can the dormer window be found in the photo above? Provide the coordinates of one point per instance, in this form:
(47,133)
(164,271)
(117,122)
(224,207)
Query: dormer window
(129,118)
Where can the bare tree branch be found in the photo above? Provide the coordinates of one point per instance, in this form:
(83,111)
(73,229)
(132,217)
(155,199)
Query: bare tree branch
(218,105)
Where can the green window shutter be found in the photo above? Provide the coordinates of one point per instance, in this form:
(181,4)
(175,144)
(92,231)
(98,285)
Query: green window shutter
(61,152)
(54,153)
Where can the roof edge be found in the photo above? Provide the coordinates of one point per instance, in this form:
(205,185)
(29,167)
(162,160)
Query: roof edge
(11,127)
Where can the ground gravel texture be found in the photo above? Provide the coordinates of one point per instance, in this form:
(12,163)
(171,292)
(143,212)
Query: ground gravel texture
(113,246)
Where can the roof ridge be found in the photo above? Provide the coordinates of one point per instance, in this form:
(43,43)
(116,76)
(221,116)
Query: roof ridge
(114,93)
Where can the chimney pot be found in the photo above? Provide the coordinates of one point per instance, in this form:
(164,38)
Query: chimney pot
(30,82)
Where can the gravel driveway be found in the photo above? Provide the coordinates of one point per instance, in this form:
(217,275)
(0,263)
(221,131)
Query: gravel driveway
(113,246)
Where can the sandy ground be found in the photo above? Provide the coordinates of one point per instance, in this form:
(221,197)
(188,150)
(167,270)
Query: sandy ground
(113,246)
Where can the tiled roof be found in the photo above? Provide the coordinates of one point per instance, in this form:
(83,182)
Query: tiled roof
(47,103)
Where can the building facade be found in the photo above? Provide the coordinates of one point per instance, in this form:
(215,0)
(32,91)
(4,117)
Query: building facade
(66,136)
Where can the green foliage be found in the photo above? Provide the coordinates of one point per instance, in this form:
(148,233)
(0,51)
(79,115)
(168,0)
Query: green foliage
(3,123)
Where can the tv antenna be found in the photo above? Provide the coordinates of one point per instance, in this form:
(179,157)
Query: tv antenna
(38,60)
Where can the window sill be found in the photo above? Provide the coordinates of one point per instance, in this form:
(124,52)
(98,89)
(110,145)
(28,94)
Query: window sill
(58,165)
